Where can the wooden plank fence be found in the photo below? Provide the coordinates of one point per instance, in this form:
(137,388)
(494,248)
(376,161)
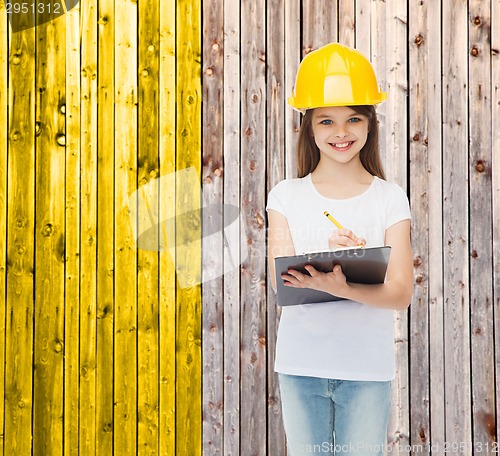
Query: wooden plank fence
(138,142)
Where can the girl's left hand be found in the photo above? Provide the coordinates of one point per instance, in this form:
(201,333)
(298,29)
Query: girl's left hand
(333,282)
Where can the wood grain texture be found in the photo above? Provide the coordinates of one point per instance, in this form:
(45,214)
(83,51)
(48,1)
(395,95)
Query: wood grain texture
(480,227)
(19,309)
(125,268)
(419,170)
(188,265)
(455,224)
(102,343)
(275,160)
(72,235)
(495,163)
(167,304)
(213,228)
(4,119)
(396,170)
(434,144)
(49,237)
(253,360)
(88,214)
(232,179)
(148,260)
(105,228)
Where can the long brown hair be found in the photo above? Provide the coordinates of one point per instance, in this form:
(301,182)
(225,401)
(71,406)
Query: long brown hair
(308,153)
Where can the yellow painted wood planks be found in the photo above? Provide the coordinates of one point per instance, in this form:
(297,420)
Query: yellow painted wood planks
(125,320)
(167,291)
(72,235)
(88,214)
(188,264)
(21,244)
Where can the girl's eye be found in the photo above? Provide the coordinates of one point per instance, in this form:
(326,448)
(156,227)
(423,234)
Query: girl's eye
(354,119)
(326,122)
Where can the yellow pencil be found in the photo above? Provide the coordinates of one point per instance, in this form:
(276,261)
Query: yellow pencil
(337,224)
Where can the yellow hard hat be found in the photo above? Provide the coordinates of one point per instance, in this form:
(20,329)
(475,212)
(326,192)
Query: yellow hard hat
(335,75)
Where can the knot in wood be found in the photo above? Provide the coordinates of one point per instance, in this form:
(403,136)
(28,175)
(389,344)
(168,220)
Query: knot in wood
(252,165)
(47,230)
(61,139)
(209,71)
(416,137)
(255,98)
(190,99)
(20,222)
(474,254)
(417,261)
(419,279)
(474,51)
(419,40)
(38,128)
(16,59)
(477,20)
(480,166)
(58,346)
(215,46)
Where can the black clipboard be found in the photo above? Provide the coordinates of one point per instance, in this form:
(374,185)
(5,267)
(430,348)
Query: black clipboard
(360,265)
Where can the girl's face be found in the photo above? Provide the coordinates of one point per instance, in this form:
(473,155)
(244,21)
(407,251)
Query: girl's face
(339,132)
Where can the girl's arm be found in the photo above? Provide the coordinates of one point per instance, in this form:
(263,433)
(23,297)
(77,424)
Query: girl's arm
(280,241)
(395,293)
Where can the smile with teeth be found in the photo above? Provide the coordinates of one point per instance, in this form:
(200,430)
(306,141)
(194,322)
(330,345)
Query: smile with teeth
(342,145)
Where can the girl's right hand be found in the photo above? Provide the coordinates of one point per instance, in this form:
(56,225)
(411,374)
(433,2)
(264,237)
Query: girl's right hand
(345,238)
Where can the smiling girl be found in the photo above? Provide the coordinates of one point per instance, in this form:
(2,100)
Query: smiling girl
(336,359)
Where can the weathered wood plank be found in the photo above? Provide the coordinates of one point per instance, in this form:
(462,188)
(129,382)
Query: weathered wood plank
(362,37)
(166,211)
(253,300)
(232,128)
(346,27)
(319,24)
(88,220)
(4,124)
(72,235)
(419,180)
(275,160)
(435,198)
(481,223)
(49,237)
(105,228)
(253,320)
(455,223)
(147,261)
(495,164)
(20,246)
(396,159)
(125,181)
(292,59)
(188,265)
(213,222)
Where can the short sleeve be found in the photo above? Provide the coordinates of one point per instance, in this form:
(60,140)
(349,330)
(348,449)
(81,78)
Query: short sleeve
(398,208)
(276,198)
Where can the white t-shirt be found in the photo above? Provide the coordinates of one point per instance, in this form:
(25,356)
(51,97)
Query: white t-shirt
(340,339)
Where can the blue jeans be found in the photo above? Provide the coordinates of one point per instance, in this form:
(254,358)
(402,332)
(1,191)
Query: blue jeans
(323,416)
